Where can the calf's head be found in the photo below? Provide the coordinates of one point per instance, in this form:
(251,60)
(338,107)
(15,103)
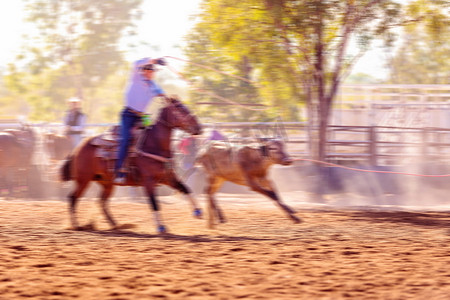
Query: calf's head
(274,150)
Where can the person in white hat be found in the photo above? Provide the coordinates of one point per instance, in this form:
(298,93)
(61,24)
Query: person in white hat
(74,120)
(140,92)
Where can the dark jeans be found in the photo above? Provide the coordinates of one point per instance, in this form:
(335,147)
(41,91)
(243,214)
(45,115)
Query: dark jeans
(128,120)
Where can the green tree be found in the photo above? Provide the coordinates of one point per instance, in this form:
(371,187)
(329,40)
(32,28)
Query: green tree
(362,78)
(11,103)
(297,49)
(74,50)
(207,47)
(424,55)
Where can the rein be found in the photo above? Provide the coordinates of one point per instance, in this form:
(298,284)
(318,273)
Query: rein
(149,155)
(184,119)
(154,156)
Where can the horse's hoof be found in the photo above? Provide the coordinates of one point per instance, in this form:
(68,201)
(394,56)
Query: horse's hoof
(162,229)
(86,227)
(198,213)
(124,226)
(75,228)
(89,227)
(296,220)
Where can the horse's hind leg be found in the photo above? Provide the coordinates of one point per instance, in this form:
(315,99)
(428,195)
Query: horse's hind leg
(73,200)
(104,197)
(182,188)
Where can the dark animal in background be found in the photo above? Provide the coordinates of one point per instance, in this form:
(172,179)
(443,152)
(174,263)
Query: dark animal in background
(16,154)
(57,146)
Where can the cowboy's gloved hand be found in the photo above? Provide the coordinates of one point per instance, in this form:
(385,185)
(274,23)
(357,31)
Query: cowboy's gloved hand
(161,61)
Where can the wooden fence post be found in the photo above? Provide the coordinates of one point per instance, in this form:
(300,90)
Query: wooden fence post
(424,147)
(373,145)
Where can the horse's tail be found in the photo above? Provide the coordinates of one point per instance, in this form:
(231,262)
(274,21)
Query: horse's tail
(66,169)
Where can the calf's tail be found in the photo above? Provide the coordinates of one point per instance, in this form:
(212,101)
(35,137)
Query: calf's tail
(198,161)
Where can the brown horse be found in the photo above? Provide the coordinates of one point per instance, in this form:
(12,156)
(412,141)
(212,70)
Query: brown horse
(152,163)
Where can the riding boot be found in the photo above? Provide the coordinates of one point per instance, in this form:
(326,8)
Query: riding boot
(120,177)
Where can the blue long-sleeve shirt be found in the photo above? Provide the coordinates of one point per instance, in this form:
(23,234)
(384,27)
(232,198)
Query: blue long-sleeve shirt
(140,91)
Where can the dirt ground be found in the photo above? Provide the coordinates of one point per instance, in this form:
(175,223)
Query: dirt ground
(259,254)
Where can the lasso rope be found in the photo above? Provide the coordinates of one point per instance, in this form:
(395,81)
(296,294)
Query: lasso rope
(212,69)
(208,92)
(368,171)
(261,109)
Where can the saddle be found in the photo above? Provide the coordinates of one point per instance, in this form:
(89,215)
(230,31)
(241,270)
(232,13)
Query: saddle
(107,148)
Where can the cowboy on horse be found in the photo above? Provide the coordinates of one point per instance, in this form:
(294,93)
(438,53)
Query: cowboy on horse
(141,91)
(151,163)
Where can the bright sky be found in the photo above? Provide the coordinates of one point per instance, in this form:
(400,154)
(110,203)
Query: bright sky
(165,23)
(12,28)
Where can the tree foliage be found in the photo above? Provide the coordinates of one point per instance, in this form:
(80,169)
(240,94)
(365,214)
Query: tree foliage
(297,51)
(425,48)
(72,52)
(232,38)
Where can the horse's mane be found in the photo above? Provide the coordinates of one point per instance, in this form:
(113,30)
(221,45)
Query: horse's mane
(161,106)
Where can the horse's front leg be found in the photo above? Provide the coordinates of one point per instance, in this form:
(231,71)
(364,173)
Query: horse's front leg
(187,193)
(150,188)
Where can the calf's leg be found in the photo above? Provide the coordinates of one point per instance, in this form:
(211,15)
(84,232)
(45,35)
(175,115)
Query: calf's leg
(213,185)
(266,188)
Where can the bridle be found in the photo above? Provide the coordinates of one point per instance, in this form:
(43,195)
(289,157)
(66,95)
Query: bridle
(267,148)
(185,118)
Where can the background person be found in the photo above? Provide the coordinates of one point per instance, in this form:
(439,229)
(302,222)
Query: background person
(188,149)
(140,92)
(216,136)
(74,121)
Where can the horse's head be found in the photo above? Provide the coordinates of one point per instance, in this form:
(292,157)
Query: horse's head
(179,116)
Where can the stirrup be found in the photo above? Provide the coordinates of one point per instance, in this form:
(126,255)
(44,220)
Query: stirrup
(119,180)
(198,213)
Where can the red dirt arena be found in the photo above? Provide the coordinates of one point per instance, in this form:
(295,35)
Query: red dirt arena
(336,253)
